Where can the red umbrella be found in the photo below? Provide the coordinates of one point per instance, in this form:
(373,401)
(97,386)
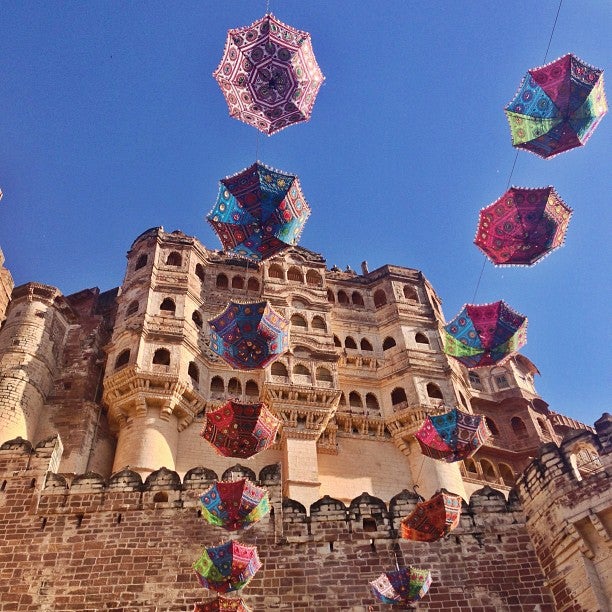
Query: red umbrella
(269,75)
(240,430)
(432,519)
(222,604)
(522,226)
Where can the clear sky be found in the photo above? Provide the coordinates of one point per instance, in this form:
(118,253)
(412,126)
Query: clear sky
(111,123)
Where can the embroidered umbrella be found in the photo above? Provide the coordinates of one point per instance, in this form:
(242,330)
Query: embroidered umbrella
(249,336)
(432,519)
(259,212)
(222,604)
(484,335)
(522,226)
(452,436)
(227,567)
(557,107)
(234,505)
(405,585)
(269,75)
(240,430)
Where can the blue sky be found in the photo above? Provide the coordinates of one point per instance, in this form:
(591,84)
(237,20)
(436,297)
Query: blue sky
(111,123)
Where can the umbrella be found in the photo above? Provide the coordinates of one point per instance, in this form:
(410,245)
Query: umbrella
(240,430)
(452,436)
(259,212)
(249,336)
(227,567)
(404,585)
(269,75)
(557,107)
(234,505)
(433,519)
(522,226)
(484,335)
(222,604)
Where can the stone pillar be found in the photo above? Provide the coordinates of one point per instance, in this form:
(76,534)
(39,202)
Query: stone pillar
(301,470)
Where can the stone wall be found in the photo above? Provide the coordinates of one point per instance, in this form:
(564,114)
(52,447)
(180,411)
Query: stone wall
(85,543)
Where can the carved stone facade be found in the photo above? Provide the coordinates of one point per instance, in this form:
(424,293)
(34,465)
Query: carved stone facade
(125,377)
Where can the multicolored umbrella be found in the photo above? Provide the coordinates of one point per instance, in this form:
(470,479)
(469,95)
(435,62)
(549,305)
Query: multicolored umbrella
(259,212)
(452,436)
(522,226)
(484,335)
(227,567)
(234,505)
(269,75)
(249,336)
(432,519)
(405,585)
(557,107)
(240,430)
(222,604)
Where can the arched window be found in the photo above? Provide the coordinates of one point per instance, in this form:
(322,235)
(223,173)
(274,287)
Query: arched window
(470,466)
(168,306)
(501,379)
(161,357)
(488,471)
(298,321)
(301,370)
(337,341)
(410,293)
(324,375)
(217,385)
(141,262)
(275,271)
(505,471)
(222,282)
(295,274)
(174,259)
(388,343)
(518,427)
(542,424)
(342,400)
(433,391)
(330,296)
(253,284)
(475,380)
(196,317)
(421,338)
(492,426)
(278,368)
(199,271)
(122,359)
(365,345)
(585,461)
(234,387)
(380,298)
(357,299)
(237,282)
(342,297)
(193,371)
(132,308)
(350,343)
(314,278)
(398,396)
(355,400)
(251,389)
(319,323)
(372,402)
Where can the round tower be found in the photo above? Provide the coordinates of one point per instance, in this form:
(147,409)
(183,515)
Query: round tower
(30,346)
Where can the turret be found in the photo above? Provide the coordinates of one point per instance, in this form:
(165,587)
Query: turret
(6,286)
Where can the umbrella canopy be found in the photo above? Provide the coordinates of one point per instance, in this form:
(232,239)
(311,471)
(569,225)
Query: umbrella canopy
(222,604)
(432,519)
(240,430)
(452,436)
(227,567)
(234,505)
(404,585)
(259,212)
(269,75)
(522,226)
(557,107)
(484,335)
(249,336)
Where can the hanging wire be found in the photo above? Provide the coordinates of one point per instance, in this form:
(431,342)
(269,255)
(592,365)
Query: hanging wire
(484,263)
